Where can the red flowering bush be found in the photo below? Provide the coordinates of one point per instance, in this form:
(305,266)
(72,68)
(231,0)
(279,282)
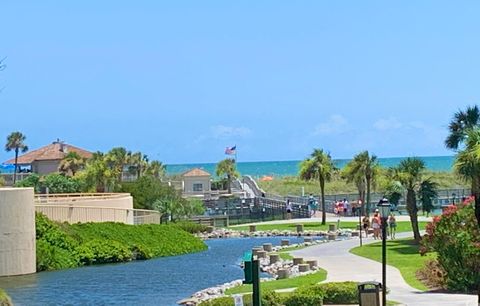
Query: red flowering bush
(455,236)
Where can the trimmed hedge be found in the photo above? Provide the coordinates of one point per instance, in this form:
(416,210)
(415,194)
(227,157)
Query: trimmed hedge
(331,293)
(62,246)
(269,298)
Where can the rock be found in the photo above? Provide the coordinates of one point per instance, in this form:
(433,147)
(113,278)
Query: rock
(308,240)
(332,236)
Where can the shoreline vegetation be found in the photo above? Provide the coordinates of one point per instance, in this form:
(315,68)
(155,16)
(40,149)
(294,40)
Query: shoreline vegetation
(5,299)
(292,185)
(62,245)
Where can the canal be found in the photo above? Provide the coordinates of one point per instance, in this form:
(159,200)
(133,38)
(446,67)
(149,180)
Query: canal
(161,281)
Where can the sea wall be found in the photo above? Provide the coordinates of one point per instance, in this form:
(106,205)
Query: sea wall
(17,231)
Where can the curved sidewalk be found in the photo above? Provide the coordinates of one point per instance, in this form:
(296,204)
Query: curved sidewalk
(342,265)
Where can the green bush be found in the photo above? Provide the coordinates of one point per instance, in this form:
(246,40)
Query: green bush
(64,246)
(303,299)
(269,298)
(33,180)
(339,293)
(5,299)
(455,236)
(57,183)
(191,227)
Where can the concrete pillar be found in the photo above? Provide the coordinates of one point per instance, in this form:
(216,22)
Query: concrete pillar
(332,227)
(355,234)
(255,250)
(297,261)
(17,231)
(261,254)
(252,228)
(312,263)
(267,247)
(303,267)
(285,242)
(274,258)
(283,273)
(299,228)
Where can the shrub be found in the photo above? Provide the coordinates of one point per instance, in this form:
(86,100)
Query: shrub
(269,298)
(340,293)
(33,180)
(191,227)
(5,299)
(103,251)
(57,183)
(455,236)
(303,299)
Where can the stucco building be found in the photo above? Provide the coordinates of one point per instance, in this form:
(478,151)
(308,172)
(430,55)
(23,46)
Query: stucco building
(47,159)
(196,182)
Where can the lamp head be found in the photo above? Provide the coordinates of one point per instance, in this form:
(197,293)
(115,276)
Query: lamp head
(384,208)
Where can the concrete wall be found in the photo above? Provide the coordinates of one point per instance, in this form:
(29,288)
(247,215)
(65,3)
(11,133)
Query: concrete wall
(87,208)
(17,231)
(188,182)
(43,167)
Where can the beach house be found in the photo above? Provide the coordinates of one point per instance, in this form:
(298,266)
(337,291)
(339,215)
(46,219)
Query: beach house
(196,182)
(46,159)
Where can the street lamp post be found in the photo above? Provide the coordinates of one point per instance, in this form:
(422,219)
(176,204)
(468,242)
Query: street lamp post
(384,209)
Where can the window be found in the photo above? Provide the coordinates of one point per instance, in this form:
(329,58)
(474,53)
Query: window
(197,187)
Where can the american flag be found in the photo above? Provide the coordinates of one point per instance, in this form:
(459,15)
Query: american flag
(231,151)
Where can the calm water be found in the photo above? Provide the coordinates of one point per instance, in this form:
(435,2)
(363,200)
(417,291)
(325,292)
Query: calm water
(162,281)
(287,168)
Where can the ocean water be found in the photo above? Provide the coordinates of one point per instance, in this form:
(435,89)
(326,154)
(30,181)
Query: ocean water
(291,167)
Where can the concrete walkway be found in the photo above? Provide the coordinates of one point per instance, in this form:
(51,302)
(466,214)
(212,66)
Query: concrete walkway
(342,265)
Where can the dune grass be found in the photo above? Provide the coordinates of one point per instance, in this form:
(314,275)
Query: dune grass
(402,254)
(402,226)
(294,282)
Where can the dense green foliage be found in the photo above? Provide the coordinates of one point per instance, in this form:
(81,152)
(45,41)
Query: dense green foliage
(5,299)
(293,185)
(56,183)
(191,227)
(268,298)
(455,236)
(65,246)
(227,169)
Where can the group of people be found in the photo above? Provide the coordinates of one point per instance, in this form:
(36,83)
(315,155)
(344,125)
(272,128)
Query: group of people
(376,224)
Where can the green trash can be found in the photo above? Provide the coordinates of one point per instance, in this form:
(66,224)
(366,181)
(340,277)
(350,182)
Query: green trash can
(369,294)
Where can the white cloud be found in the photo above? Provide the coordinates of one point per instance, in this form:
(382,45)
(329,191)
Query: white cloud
(387,124)
(224,132)
(336,124)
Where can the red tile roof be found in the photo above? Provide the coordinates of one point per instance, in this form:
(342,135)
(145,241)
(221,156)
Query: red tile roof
(196,172)
(53,151)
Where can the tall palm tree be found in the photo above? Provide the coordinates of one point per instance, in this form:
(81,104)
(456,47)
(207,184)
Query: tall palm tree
(464,131)
(71,164)
(318,166)
(352,175)
(409,173)
(156,169)
(427,192)
(462,121)
(467,165)
(16,142)
(118,158)
(227,167)
(138,163)
(363,168)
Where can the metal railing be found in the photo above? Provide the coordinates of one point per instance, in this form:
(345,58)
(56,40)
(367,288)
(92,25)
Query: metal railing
(8,177)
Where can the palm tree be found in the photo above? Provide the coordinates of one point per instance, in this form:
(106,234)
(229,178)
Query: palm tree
(427,192)
(318,166)
(71,164)
(409,173)
(118,158)
(138,163)
(467,165)
(227,167)
(462,122)
(362,170)
(156,169)
(16,142)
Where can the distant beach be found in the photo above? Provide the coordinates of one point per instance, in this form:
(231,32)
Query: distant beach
(290,168)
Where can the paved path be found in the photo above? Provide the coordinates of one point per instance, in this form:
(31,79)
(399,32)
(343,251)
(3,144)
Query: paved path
(342,265)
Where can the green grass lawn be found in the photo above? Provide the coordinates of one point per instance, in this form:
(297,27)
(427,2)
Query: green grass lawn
(402,254)
(293,282)
(402,226)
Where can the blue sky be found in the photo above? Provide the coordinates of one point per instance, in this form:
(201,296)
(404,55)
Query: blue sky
(181,80)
